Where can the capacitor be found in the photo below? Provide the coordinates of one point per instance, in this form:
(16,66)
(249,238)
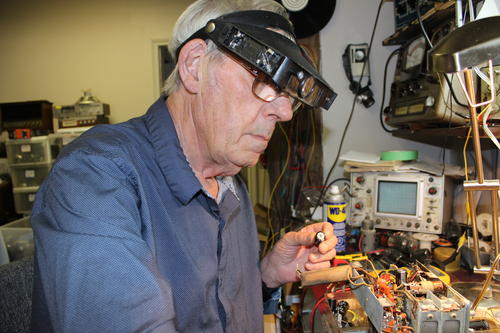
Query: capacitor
(320,236)
(424,286)
(401,276)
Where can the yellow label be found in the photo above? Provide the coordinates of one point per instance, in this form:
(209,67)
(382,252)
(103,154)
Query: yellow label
(417,108)
(401,110)
(336,213)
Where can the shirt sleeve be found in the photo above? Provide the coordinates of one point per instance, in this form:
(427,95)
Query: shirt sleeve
(95,271)
(271,305)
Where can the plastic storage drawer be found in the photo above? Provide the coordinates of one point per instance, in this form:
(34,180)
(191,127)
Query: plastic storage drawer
(29,175)
(24,198)
(24,151)
(18,238)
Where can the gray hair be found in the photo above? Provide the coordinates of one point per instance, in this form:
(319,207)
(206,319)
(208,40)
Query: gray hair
(197,15)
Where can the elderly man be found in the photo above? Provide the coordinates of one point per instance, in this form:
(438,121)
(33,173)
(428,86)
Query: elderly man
(143,226)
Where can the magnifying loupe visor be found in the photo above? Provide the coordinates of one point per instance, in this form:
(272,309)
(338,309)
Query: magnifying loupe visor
(254,37)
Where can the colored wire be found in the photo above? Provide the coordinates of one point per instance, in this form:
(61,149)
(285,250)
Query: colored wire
(424,31)
(466,171)
(354,315)
(373,267)
(313,146)
(367,274)
(273,234)
(356,284)
(311,318)
(337,180)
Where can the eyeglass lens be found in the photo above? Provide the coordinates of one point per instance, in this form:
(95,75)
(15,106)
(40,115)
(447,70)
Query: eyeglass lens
(267,91)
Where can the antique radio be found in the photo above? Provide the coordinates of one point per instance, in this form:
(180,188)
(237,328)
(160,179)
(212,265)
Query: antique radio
(81,115)
(33,115)
(87,111)
(419,97)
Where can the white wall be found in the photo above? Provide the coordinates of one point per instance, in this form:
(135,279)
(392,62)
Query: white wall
(352,23)
(54,49)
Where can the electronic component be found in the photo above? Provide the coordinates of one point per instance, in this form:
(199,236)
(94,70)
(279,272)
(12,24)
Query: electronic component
(327,275)
(418,97)
(406,201)
(33,115)
(410,299)
(413,302)
(320,236)
(88,111)
(405,11)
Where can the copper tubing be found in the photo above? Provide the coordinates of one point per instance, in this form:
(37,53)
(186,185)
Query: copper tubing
(487,185)
(475,236)
(469,83)
(486,283)
(494,215)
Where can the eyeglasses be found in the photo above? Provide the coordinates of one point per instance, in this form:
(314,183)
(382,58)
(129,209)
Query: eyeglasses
(264,88)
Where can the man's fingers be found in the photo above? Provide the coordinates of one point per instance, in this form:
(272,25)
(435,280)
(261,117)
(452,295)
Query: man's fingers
(307,236)
(309,266)
(315,257)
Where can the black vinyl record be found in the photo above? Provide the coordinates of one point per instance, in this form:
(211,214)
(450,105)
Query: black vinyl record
(311,18)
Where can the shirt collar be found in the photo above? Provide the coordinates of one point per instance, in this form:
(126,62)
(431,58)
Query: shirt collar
(179,175)
(171,158)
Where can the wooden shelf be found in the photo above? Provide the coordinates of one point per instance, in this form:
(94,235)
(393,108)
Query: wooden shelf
(453,138)
(430,19)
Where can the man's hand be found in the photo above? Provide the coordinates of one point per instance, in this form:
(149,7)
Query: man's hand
(296,250)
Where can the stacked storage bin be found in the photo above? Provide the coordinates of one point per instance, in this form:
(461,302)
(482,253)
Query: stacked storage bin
(29,163)
(16,240)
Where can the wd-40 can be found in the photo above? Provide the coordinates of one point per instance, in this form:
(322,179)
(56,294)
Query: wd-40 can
(335,206)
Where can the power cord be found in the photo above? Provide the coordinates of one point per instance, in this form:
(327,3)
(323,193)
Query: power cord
(382,123)
(323,188)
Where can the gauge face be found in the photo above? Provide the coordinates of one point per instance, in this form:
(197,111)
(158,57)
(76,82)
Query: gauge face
(415,53)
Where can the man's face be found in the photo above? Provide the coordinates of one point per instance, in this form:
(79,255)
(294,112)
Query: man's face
(233,123)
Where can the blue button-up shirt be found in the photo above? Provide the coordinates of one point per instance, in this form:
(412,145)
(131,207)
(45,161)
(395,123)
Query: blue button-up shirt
(127,240)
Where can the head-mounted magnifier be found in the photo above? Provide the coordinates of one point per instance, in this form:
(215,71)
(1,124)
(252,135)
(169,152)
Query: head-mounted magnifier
(255,38)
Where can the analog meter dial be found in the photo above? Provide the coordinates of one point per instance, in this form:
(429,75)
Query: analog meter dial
(415,53)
